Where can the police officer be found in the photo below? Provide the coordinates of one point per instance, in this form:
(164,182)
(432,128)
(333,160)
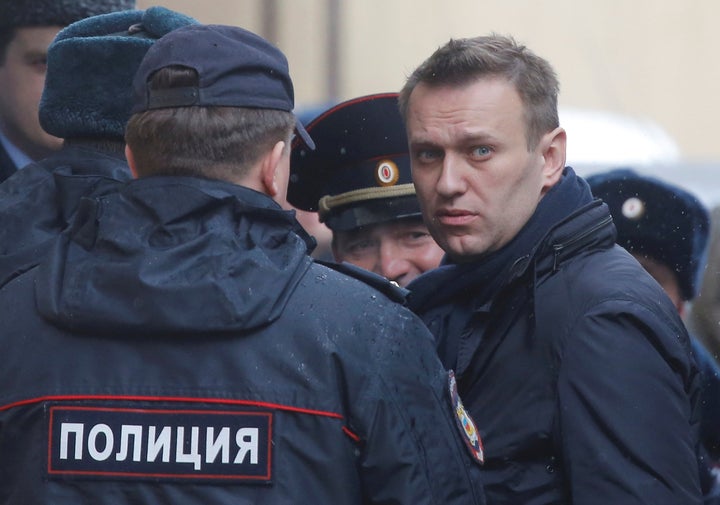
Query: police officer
(26,29)
(184,346)
(667,229)
(86,102)
(358,180)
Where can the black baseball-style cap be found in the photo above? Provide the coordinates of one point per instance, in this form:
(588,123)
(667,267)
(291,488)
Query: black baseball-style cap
(359,173)
(236,68)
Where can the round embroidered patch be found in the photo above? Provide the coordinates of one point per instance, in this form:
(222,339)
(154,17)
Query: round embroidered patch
(465,422)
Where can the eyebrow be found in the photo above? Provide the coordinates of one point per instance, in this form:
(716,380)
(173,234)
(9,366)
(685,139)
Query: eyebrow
(466,138)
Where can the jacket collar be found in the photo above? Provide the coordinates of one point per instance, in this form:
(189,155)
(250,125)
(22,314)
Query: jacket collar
(566,219)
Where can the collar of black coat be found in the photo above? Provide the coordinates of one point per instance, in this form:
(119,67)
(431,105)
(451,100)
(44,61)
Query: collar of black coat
(569,198)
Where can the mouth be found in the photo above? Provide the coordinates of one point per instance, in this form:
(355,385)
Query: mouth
(454,217)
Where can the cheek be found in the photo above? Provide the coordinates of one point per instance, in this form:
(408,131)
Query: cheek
(431,257)
(35,87)
(425,192)
(23,95)
(422,178)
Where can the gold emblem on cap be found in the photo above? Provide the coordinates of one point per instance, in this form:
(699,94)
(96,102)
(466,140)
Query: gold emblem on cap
(386,173)
(633,208)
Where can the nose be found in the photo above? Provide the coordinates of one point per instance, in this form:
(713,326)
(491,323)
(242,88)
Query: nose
(450,182)
(393,264)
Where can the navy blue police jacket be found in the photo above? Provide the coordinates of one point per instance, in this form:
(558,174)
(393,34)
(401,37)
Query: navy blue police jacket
(572,361)
(178,345)
(37,202)
(7,166)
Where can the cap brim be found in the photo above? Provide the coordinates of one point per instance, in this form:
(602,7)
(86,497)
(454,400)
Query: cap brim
(304,135)
(371,212)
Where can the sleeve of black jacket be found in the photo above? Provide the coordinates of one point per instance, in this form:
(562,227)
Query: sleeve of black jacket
(411,448)
(627,389)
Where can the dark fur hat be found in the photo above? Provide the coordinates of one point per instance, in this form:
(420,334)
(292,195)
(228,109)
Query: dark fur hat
(659,220)
(17,13)
(91,66)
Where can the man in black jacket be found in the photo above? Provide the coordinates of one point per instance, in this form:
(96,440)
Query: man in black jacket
(86,101)
(26,29)
(572,360)
(185,348)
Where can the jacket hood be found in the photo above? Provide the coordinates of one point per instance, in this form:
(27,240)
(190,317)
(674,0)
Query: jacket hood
(173,255)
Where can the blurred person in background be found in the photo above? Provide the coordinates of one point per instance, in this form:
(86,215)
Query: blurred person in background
(358,181)
(666,229)
(26,29)
(704,315)
(86,101)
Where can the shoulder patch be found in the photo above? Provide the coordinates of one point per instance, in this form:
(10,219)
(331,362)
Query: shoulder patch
(386,287)
(464,422)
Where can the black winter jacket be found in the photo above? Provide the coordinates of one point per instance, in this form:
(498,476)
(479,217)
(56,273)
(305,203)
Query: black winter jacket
(188,350)
(577,370)
(7,167)
(37,202)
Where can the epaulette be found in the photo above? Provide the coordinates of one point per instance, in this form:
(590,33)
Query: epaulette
(390,289)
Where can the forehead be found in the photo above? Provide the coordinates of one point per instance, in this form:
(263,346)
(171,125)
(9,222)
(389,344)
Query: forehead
(485,104)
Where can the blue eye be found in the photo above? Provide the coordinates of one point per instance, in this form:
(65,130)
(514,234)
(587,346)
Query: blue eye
(481,151)
(427,155)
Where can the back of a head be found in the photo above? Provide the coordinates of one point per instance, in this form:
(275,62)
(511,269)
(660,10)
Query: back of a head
(91,65)
(658,220)
(359,173)
(207,101)
(461,61)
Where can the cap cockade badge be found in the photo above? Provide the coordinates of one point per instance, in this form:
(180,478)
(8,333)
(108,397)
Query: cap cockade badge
(386,173)
(633,208)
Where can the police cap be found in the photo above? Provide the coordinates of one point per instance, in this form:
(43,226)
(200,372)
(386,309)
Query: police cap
(659,220)
(359,172)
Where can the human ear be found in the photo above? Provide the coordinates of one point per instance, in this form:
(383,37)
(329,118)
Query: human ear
(553,150)
(272,169)
(130,157)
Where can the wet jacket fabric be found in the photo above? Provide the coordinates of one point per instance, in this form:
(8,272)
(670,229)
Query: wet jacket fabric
(710,398)
(37,202)
(572,361)
(188,350)
(709,423)
(7,166)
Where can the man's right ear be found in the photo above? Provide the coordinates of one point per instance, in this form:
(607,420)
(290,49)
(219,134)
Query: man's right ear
(130,157)
(269,166)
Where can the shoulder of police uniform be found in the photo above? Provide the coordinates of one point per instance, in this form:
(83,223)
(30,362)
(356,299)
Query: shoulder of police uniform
(378,282)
